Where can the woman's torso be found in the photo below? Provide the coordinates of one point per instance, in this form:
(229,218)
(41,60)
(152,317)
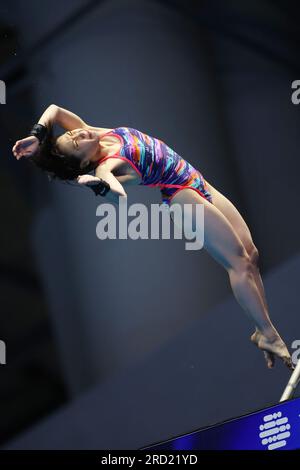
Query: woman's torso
(110,147)
(147,159)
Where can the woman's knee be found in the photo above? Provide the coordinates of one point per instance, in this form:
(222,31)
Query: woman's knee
(253,255)
(241,265)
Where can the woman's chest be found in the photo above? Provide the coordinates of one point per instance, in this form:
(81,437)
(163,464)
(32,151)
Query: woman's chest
(111,146)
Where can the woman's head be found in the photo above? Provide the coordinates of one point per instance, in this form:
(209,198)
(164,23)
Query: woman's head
(69,155)
(81,143)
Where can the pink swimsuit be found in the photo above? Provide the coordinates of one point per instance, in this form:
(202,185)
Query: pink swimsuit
(157,164)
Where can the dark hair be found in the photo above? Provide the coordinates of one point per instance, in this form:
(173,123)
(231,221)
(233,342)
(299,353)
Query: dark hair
(57,165)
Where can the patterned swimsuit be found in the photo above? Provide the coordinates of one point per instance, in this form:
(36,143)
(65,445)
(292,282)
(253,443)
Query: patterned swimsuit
(157,164)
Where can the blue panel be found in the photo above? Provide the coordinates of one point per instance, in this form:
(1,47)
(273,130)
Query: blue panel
(277,427)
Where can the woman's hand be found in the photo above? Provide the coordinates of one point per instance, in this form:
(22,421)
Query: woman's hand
(25,147)
(88,180)
(96,184)
(115,191)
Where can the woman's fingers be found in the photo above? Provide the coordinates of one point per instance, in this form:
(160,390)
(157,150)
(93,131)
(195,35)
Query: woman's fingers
(24,149)
(20,154)
(17,145)
(79,179)
(16,150)
(87,179)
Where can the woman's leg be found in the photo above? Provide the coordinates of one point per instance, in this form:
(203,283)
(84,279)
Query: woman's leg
(226,247)
(232,214)
(241,228)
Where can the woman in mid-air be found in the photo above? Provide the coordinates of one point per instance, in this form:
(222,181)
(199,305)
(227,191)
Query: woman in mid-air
(125,156)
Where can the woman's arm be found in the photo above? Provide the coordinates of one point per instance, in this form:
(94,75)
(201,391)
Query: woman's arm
(52,115)
(64,118)
(126,179)
(104,171)
(116,189)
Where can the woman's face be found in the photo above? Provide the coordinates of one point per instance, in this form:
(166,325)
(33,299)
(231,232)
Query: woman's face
(79,142)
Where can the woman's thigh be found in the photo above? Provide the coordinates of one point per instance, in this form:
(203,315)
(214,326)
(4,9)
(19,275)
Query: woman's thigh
(220,239)
(233,215)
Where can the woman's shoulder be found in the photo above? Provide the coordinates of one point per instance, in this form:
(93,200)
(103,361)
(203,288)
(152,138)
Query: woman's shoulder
(101,130)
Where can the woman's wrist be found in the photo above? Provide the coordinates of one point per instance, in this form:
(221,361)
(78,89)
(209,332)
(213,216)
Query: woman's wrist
(40,132)
(100,188)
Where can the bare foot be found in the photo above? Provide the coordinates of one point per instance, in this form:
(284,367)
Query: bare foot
(272,348)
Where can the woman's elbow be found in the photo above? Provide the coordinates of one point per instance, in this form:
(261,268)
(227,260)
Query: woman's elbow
(116,197)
